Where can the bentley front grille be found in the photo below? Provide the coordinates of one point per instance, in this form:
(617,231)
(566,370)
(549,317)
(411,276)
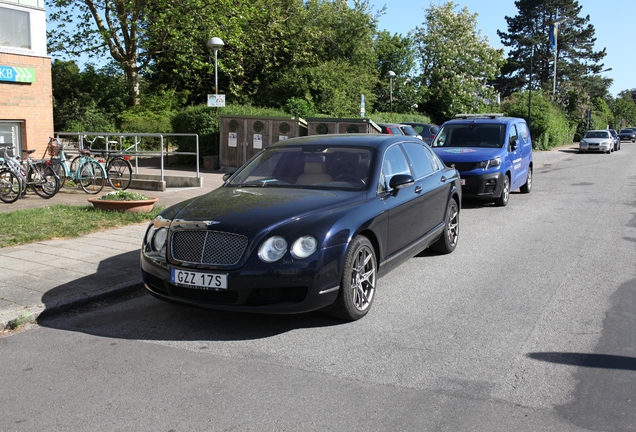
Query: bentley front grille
(208,247)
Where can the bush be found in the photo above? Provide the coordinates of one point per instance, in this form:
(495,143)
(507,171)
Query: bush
(549,126)
(200,120)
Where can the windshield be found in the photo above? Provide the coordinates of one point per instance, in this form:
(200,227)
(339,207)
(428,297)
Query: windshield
(470,135)
(597,134)
(336,167)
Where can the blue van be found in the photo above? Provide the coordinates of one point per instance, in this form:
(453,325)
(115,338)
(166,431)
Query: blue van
(492,153)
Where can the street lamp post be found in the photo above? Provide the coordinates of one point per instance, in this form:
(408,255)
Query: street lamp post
(391,75)
(556,23)
(216,44)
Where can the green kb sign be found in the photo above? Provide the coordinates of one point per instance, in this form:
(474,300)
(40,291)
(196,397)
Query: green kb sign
(17,74)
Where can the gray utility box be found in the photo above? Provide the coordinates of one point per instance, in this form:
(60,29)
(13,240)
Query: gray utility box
(244,136)
(324,126)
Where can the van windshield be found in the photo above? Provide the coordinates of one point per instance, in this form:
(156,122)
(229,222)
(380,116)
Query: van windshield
(471,135)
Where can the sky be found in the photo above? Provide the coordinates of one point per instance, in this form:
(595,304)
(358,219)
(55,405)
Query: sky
(612,21)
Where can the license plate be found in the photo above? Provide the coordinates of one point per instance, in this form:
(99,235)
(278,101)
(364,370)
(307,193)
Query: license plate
(199,280)
(462,182)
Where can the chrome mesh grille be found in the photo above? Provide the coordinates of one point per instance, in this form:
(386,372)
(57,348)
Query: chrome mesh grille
(208,247)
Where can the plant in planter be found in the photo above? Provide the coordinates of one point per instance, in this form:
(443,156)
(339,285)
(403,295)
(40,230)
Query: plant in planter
(124,201)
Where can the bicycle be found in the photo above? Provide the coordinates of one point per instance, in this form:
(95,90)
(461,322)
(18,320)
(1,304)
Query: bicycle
(87,172)
(18,175)
(118,166)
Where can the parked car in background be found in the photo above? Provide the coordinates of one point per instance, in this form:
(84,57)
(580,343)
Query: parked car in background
(308,223)
(492,153)
(617,139)
(409,131)
(597,141)
(391,128)
(427,131)
(627,135)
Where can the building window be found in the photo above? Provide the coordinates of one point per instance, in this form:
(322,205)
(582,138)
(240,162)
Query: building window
(10,134)
(14,28)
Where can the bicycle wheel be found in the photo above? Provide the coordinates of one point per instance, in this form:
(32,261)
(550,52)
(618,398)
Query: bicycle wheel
(119,173)
(43,180)
(92,177)
(57,166)
(10,186)
(75,163)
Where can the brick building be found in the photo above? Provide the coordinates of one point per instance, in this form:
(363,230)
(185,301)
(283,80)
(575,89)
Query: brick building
(26,100)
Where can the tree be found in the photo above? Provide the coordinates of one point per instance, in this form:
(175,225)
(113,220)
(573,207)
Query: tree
(86,100)
(529,50)
(133,32)
(624,110)
(398,54)
(457,62)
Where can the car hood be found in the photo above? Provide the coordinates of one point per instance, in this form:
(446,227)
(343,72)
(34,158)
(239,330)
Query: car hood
(251,210)
(597,140)
(467,154)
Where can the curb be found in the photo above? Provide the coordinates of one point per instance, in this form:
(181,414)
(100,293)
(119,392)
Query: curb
(31,313)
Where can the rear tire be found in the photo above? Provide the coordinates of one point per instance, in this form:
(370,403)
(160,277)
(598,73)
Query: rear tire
(526,188)
(448,240)
(43,181)
(357,286)
(92,177)
(119,173)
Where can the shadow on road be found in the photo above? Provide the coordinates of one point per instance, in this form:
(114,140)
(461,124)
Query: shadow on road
(604,361)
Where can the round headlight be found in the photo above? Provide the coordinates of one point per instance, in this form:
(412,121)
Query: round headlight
(159,239)
(304,247)
(273,249)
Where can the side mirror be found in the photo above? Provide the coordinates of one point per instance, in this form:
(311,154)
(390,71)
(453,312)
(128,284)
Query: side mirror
(400,181)
(228,175)
(514,144)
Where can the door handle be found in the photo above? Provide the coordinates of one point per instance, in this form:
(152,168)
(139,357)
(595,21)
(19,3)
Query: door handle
(418,189)
(443,179)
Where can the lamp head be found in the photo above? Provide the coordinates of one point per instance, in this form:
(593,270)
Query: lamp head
(216,43)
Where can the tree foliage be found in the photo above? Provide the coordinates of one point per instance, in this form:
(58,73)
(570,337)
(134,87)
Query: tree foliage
(456,61)
(527,38)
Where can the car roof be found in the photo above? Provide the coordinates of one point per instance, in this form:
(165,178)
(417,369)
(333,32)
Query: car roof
(494,118)
(347,140)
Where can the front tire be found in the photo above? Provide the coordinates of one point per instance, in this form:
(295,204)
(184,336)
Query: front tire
(357,286)
(10,186)
(502,201)
(448,240)
(43,181)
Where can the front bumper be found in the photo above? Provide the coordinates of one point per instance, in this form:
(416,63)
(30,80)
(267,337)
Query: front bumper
(287,286)
(482,186)
(595,148)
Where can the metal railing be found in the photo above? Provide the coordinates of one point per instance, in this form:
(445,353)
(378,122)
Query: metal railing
(133,150)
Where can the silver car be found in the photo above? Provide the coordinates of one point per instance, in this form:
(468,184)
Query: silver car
(597,141)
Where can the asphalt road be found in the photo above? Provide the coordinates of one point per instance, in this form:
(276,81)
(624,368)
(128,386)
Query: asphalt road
(528,325)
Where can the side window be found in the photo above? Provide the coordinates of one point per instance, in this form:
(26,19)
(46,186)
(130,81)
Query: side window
(420,162)
(394,162)
(512,134)
(523,132)
(435,160)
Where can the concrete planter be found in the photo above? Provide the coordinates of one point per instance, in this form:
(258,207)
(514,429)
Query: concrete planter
(124,206)
(211,162)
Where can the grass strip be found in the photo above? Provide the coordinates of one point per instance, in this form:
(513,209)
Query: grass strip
(63,221)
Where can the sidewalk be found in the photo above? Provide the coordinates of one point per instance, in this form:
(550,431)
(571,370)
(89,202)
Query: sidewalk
(56,275)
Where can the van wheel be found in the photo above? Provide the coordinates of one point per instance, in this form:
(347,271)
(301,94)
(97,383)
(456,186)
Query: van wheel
(502,201)
(526,188)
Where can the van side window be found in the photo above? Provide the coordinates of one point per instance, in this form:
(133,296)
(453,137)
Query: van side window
(512,134)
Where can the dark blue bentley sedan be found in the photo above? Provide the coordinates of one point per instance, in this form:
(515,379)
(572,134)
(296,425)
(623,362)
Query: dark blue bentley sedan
(308,223)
